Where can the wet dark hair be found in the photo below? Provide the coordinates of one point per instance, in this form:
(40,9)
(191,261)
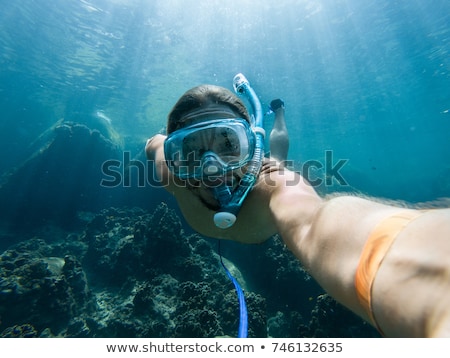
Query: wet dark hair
(200,96)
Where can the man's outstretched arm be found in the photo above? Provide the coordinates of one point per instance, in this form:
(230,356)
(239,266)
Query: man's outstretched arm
(411,288)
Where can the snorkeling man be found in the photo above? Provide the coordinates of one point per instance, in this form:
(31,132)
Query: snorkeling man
(388,264)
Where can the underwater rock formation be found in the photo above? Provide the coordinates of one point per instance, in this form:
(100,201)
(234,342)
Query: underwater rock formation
(73,168)
(60,176)
(130,273)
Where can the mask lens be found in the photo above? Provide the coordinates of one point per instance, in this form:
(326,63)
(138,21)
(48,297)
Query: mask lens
(223,141)
(231,140)
(227,143)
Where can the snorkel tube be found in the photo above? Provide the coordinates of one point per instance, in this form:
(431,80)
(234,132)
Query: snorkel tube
(231,201)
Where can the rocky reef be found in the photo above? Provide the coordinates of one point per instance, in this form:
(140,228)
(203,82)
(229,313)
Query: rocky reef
(130,273)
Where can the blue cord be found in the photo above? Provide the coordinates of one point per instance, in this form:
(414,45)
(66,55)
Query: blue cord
(243,315)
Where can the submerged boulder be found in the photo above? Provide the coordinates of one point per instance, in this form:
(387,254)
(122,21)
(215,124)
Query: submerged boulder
(61,175)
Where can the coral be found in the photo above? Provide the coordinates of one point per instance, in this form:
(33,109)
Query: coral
(200,322)
(173,281)
(43,291)
(331,319)
(131,273)
(282,323)
(22,331)
(257,320)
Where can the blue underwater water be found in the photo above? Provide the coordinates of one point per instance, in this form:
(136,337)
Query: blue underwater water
(365,83)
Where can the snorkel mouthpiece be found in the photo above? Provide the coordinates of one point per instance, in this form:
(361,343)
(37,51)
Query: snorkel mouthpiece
(229,201)
(224,220)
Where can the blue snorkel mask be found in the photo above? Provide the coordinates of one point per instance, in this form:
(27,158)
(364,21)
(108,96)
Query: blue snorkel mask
(212,149)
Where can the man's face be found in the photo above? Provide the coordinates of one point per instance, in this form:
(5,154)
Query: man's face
(211,143)
(210,150)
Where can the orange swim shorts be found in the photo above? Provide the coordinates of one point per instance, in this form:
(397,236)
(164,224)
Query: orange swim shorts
(373,253)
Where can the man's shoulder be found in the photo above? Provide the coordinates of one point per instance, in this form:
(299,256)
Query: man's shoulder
(154,146)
